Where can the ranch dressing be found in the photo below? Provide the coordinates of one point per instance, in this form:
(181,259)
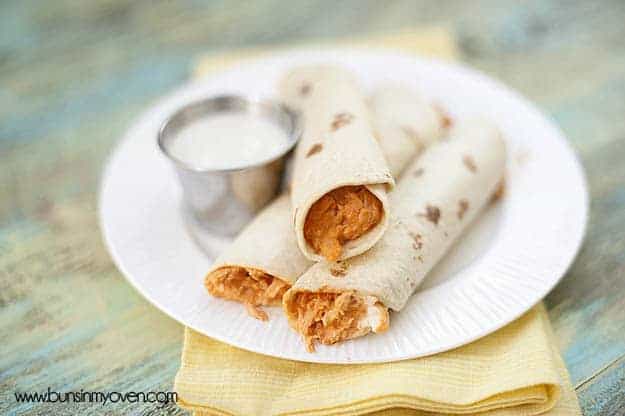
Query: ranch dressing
(226,141)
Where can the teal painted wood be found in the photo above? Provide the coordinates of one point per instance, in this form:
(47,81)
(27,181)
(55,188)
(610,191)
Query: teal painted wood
(73,74)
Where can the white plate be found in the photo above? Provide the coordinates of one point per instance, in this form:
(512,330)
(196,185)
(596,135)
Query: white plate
(507,262)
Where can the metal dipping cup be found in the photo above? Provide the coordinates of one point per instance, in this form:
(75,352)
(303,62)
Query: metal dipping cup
(222,201)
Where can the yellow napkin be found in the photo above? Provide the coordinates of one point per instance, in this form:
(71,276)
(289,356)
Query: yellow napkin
(514,371)
(435,41)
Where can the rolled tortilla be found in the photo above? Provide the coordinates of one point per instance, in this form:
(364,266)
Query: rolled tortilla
(405,123)
(438,196)
(261,263)
(264,260)
(340,176)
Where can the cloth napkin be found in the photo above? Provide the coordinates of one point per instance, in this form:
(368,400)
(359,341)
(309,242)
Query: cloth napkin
(514,371)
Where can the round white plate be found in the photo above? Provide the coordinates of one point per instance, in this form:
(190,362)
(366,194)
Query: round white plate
(507,262)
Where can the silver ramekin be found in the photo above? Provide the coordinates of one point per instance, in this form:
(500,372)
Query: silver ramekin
(222,201)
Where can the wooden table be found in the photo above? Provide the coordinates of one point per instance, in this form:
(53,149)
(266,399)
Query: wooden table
(73,74)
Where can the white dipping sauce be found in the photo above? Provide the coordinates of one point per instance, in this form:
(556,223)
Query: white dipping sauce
(228,141)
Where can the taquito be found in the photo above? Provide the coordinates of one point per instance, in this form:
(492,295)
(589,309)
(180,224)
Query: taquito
(261,263)
(405,123)
(264,260)
(438,196)
(340,176)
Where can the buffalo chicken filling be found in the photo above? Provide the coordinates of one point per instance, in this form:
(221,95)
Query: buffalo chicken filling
(251,287)
(340,216)
(329,318)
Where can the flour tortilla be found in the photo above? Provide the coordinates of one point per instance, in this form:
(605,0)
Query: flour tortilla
(338,148)
(405,123)
(438,196)
(268,244)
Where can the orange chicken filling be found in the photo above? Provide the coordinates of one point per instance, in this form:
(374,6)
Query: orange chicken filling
(339,216)
(248,286)
(329,318)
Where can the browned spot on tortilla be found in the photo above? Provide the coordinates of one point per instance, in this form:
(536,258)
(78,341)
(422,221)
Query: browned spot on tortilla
(469,163)
(340,120)
(418,241)
(305,89)
(499,191)
(314,149)
(446,120)
(418,172)
(463,206)
(432,214)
